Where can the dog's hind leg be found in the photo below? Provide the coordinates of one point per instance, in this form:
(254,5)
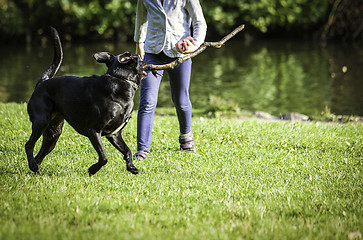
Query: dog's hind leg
(95,138)
(50,137)
(40,111)
(38,128)
(118,142)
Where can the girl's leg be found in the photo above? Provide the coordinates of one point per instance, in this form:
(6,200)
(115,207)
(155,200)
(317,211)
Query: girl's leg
(179,84)
(148,100)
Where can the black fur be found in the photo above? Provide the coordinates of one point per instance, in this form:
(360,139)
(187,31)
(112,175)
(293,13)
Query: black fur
(94,106)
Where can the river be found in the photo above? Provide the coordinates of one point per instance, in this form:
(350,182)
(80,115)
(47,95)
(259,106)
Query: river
(275,76)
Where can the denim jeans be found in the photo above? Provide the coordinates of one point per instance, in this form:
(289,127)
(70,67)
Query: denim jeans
(179,85)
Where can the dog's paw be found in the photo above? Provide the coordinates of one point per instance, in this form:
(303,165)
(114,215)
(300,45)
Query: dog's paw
(132,169)
(91,172)
(35,168)
(93,169)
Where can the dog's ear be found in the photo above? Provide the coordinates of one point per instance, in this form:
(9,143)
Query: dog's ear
(103,57)
(125,58)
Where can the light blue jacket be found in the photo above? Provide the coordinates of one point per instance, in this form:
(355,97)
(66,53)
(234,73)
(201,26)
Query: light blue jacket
(160,27)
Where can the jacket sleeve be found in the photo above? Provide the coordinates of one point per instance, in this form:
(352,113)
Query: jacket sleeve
(140,22)
(198,22)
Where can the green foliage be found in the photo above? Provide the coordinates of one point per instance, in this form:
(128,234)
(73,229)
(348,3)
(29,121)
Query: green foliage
(265,15)
(100,17)
(249,180)
(74,18)
(115,18)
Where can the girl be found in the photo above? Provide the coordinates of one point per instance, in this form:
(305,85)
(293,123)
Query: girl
(162,34)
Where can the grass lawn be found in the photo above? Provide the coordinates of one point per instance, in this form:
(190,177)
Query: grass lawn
(249,180)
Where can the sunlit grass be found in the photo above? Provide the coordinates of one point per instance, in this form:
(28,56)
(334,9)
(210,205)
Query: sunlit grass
(249,179)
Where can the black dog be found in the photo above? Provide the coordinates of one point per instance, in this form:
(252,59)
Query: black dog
(94,106)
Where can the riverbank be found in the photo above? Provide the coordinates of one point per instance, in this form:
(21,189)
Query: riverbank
(324,117)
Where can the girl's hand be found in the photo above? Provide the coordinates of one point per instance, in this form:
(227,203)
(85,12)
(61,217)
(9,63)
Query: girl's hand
(186,45)
(140,50)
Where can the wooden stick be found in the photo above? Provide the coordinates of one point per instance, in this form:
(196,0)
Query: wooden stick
(202,47)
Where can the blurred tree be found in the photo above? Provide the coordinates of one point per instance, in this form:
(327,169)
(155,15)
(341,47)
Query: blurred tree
(345,20)
(26,18)
(10,20)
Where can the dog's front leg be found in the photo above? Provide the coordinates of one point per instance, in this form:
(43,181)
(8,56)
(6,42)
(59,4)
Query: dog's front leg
(118,142)
(95,138)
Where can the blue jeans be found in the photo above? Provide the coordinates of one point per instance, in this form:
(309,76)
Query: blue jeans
(179,85)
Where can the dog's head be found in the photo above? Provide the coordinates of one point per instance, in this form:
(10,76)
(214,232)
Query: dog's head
(127,65)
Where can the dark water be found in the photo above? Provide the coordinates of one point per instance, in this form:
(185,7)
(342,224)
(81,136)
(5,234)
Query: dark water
(274,76)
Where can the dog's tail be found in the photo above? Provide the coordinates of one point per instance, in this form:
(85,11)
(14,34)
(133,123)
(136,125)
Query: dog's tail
(57,58)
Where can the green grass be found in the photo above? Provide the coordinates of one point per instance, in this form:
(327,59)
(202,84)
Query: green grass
(249,180)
